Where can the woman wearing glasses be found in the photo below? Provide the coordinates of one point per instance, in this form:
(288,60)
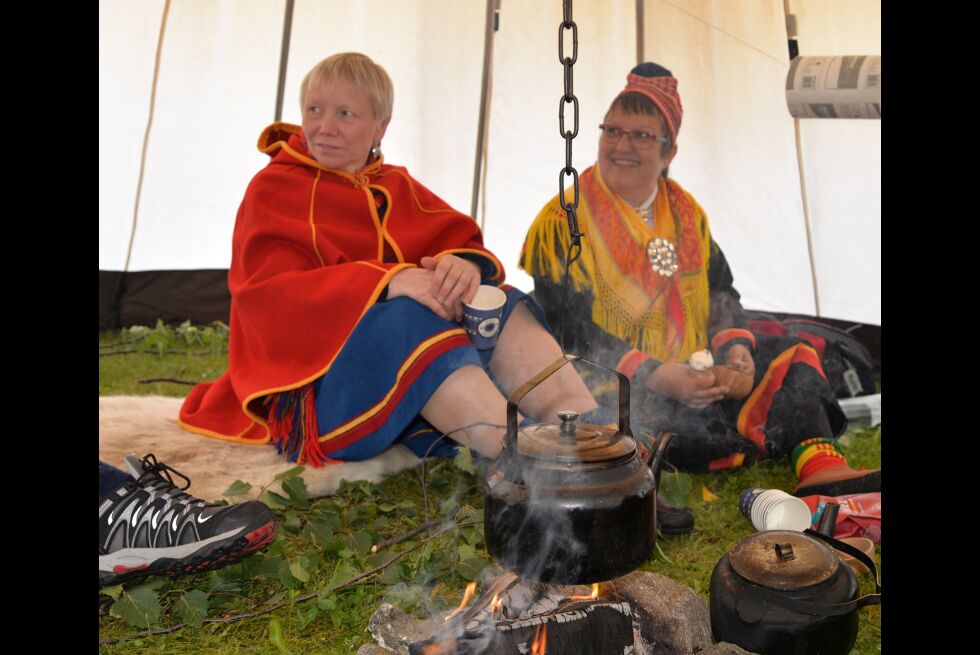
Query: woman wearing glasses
(651,288)
(348,279)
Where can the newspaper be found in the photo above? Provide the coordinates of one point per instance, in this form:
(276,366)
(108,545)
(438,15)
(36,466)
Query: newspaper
(834,87)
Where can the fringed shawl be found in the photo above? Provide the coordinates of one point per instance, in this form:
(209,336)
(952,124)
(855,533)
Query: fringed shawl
(665,317)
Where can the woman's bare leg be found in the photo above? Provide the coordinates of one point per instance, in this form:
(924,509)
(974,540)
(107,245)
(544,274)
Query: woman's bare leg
(468,406)
(523,349)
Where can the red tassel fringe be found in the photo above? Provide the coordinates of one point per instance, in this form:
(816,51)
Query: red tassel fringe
(292,421)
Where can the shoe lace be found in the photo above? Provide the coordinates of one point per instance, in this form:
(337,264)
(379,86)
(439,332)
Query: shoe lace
(163,472)
(152,465)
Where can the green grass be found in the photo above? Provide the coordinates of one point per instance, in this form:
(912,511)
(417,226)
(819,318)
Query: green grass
(326,540)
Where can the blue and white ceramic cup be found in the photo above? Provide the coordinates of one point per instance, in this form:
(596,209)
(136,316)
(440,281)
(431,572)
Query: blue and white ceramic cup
(481,318)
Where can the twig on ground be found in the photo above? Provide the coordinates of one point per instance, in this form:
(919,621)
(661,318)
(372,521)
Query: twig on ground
(174,380)
(124,341)
(411,534)
(313,594)
(198,353)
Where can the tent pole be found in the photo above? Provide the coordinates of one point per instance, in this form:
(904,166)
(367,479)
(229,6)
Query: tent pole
(640,34)
(287,29)
(493,9)
(794,51)
(146,133)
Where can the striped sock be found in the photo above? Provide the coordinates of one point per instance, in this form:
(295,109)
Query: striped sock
(816,454)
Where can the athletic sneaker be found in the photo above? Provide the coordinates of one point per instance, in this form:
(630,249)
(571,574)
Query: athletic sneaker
(149,525)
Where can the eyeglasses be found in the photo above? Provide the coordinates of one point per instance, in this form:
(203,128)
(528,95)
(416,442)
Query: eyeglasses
(641,140)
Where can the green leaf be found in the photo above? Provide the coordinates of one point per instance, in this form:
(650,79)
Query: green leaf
(286,576)
(326,600)
(275,636)
(387,507)
(295,488)
(377,559)
(343,573)
(390,575)
(275,501)
(273,600)
(270,566)
(361,542)
(298,572)
(112,592)
(334,546)
(193,607)
(159,584)
(317,532)
(306,616)
(292,522)
(139,607)
(464,460)
(675,488)
(465,552)
(662,553)
(471,568)
(237,488)
(291,473)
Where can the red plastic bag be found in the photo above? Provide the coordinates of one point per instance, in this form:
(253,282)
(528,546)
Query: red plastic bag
(859,515)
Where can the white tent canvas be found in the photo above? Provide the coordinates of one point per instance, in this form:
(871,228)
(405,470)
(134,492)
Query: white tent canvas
(186,86)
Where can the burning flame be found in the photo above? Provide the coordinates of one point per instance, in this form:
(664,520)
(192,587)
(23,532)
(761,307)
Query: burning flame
(496,606)
(593,596)
(540,640)
(470,590)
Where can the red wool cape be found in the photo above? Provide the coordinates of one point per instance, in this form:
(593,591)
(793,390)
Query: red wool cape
(307,262)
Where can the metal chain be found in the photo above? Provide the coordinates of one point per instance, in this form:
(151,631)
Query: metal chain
(571,208)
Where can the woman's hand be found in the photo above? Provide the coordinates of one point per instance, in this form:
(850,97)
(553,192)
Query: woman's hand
(684,384)
(455,281)
(741,358)
(441,284)
(416,283)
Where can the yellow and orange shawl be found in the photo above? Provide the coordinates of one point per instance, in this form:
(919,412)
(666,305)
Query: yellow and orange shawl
(664,317)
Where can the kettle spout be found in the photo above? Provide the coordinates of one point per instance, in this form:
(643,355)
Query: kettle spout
(655,458)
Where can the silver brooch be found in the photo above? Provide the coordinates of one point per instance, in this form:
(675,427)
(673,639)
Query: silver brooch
(662,256)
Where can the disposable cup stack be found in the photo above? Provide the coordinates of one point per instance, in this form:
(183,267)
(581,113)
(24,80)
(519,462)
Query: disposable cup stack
(774,509)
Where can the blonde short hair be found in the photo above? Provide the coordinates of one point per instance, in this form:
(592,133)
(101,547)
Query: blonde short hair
(358,70)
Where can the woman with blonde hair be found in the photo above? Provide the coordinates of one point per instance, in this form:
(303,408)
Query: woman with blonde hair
(348,279)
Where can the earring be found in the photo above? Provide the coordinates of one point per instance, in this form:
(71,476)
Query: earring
(375,151)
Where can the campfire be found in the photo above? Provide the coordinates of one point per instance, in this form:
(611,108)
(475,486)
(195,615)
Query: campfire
(533,618)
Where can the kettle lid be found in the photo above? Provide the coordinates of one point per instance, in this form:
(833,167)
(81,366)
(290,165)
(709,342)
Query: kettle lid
(783,560)
(573,442)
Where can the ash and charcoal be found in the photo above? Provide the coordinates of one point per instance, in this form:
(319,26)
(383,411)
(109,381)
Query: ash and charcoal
(642,613)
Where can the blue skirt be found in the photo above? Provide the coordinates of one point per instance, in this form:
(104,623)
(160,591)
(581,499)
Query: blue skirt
(393,362)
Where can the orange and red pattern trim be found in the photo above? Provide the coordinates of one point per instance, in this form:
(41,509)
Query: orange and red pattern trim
(752,417)
(725,336)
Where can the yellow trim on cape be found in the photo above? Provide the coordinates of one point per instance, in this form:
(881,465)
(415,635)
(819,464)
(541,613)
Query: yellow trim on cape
(312,221)
(368,414)
(295,385)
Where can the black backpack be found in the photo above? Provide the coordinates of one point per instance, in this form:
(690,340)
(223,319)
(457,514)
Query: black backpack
(848,364)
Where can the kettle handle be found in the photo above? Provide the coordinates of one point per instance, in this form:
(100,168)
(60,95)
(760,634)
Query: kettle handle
(852,551)
(548,371)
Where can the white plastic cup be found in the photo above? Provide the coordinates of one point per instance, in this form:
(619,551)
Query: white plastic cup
(481,317)
(774,509)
